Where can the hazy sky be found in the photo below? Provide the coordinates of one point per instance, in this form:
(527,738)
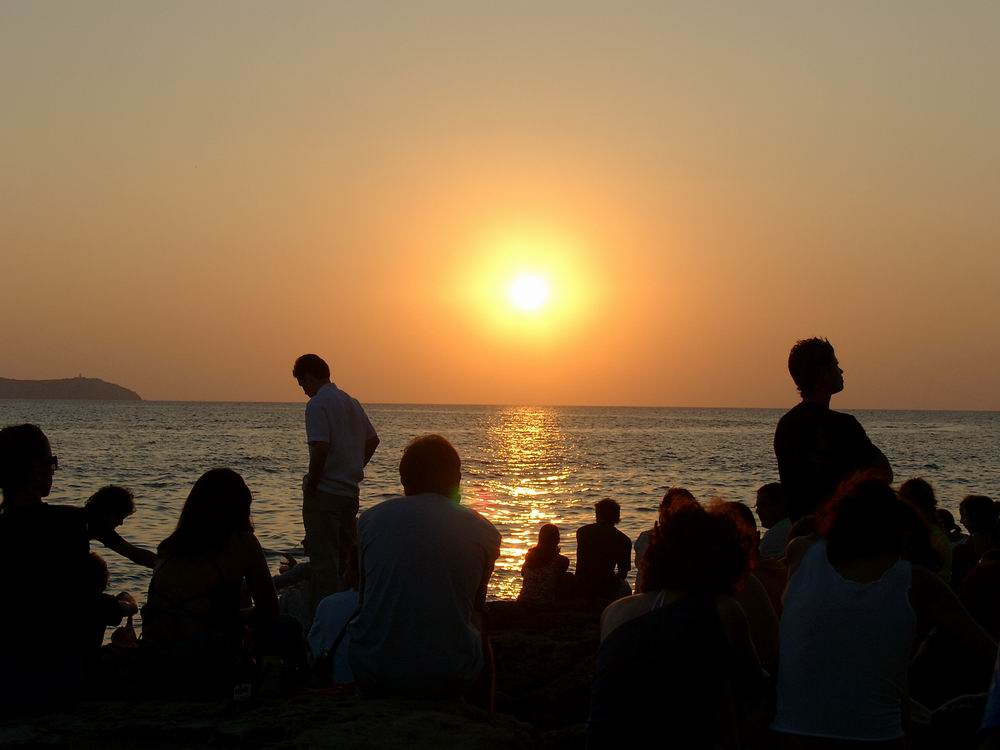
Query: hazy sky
(194,193)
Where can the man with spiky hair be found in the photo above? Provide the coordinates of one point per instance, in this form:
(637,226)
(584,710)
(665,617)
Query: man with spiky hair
(817,448)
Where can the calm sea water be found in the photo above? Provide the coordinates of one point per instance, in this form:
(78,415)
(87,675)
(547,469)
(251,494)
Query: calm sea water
(522,466)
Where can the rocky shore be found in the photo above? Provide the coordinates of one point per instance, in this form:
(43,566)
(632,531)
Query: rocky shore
(544,664)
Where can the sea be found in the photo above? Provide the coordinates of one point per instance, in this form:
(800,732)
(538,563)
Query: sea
(522,466)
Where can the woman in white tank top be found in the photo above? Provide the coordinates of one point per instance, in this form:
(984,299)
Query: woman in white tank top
(849,624)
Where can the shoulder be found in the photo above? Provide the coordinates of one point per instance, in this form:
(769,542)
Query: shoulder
(797,549)
(621,611)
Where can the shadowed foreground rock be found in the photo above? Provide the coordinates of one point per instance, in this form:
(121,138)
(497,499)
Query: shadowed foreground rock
(544,661)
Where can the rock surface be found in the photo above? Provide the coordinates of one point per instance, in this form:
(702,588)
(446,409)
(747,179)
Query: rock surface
(544,662)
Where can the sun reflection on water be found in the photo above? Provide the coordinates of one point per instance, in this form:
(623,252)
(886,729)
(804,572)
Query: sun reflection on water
(523,486)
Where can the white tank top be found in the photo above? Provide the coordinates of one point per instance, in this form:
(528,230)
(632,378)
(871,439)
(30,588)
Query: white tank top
(845,647)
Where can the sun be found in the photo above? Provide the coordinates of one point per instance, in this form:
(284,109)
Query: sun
(528,292)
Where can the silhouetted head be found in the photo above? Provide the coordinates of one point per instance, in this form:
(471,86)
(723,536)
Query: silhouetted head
(919,493)
(311,372)
(608,511)
(697,550)
(431,464)
(26,463)
(865,520)
(813,365)
(947,521)
(770,505)
(916,538)
(978,514)
(217,508)
(110,506)
(548,536)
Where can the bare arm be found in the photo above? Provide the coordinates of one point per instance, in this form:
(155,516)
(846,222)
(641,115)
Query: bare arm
(258,578)
(138,555)
(317,461)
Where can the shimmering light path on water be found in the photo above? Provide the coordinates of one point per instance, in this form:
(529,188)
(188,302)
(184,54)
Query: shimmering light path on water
(522,466)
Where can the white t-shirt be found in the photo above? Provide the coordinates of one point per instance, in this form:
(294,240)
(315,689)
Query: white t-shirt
(333,417)
(424,559)
(773,543)
(332,614)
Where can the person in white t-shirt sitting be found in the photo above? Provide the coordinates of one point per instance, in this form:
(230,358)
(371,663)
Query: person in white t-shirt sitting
(425,561)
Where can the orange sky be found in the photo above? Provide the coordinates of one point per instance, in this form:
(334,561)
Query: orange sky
(195,195)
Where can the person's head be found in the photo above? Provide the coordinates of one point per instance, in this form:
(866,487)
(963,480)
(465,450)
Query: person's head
(813,366)
(430,464)
(548,536)
(673,499)
(978,514)
(770,505)
(697,550)
(919,493)
(311,372)
(607,511)
(742,514)
(947,521)
(98,570)
(865,520)
(217,508)
(110,506)
(26,462)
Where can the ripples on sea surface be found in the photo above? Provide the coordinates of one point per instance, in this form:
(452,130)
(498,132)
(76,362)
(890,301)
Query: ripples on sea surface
(522,466)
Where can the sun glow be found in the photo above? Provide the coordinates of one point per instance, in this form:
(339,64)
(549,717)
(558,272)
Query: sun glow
(529,292)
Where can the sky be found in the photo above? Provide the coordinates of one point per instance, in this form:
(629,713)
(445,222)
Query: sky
(193,194)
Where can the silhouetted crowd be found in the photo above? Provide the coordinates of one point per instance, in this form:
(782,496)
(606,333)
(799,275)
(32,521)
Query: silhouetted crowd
(862,616)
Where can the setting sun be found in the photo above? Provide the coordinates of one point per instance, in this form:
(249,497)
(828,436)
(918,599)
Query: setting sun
(529,292)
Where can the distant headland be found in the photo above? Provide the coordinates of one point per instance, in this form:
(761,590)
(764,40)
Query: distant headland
(78,388)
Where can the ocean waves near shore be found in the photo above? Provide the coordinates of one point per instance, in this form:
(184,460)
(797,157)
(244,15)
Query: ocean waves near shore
(522,466)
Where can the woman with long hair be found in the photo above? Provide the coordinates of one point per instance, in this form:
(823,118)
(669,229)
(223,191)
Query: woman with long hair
(196,609)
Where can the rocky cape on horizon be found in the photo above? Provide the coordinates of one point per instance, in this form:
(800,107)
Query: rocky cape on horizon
(79,388)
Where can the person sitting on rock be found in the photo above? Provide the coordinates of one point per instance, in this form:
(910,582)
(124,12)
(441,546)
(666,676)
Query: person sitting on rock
(677,660)
(544,569)
(673,498)
(107,509)
(425,562)
(602,554)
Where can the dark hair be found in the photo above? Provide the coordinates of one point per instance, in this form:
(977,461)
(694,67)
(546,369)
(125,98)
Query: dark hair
(947,520)
(697,550)
(114,500)
(430,464)
(608,510)
(22,447)
(742,512)
(772,491)
(672,494)
(916,538)
(310,364)
(864,520)
(217,508)
(547,547)
(807,360)
(980,513)
(919,493)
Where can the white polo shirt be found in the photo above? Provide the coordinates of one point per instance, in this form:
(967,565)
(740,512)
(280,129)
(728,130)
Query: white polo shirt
(334,417)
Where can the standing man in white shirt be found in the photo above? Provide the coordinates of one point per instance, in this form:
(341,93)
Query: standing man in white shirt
(341,443)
